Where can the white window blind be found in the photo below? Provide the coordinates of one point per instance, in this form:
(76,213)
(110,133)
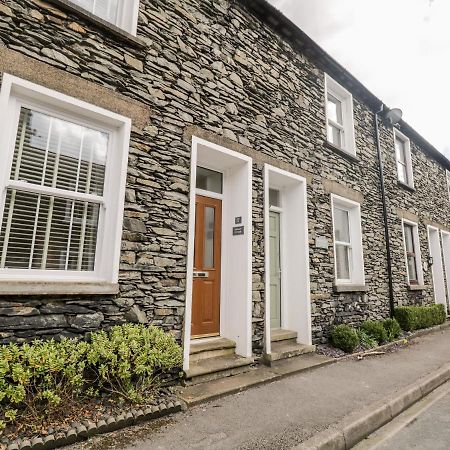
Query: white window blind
(54,195)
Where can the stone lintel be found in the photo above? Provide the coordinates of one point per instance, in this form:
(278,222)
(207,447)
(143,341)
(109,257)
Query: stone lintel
(10,287)
(257,156)
(404,214)
(41,73)
(417,287)
(332,187)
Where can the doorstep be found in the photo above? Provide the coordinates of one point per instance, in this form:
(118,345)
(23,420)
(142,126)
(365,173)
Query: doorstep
(207,391)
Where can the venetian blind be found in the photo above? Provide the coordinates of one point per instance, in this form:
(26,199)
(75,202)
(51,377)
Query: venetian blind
(53,230)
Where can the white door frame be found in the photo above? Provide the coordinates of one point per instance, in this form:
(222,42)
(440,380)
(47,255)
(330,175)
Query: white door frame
(236,260)
(294,253)
(437,269)
(445,237)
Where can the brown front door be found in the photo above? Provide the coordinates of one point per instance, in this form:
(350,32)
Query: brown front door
(207,254)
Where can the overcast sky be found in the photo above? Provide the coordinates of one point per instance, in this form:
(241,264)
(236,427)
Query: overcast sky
(399,49)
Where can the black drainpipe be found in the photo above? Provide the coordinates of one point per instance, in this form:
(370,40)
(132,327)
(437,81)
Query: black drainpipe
(385,215)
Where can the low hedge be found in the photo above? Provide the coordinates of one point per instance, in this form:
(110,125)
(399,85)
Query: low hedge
(413,318)
(40,378)
(375,330)
(345,338)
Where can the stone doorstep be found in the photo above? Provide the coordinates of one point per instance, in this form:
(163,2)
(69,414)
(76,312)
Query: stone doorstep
(211,348)
(213,368)
(255,376)
(282,335)
(287,349)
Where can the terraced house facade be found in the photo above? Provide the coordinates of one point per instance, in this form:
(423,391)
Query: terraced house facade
(203,166)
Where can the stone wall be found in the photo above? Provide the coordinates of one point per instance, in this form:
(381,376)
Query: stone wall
(211,64)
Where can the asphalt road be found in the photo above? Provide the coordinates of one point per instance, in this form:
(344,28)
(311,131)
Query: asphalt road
(430,430)
(282,414)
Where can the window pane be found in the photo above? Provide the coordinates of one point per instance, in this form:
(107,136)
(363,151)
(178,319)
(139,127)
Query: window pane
(56,153)
(335,136)
(400,150)
(409,239)
(334,109)
(208,252)
(274,197)
(209,180)
(412,269)
(46,232)
(342,262)
(105,9)
(341,225)
(402,173)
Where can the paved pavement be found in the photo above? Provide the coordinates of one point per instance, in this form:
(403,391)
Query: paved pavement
(284,413)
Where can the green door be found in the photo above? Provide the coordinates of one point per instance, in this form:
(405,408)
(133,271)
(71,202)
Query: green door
(275,270)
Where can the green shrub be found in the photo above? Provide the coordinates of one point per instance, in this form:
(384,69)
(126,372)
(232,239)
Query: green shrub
(345,338)
(367,342)
(40,378)
(392,328)
(375,330)
(413,318)
(127,358)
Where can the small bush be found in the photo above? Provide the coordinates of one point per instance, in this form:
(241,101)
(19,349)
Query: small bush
(344,338)
(43,377)
(367,342)
(413,318)
(392,328)
(375,330)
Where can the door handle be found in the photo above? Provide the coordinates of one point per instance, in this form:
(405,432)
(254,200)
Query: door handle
(200,274)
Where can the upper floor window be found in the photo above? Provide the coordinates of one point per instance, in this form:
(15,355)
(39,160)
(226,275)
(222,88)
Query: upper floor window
(348,254)
(403,158)
(122,13)
(447,173)
(412,253)
(339,114)
(61,206)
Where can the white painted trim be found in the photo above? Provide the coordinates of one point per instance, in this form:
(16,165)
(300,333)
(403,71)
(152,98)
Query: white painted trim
(445,238)
(409,167)
(342,94)
(245,343)
(357,272)
(437,269)
(417,249)
(210,194)
(304,335)
(16,92)
(128,17)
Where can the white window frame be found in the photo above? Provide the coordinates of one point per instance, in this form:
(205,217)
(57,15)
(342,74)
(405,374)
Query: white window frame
(348,128)
(417,252)
(356,260)
(409,168)
(15,93)
(127,16)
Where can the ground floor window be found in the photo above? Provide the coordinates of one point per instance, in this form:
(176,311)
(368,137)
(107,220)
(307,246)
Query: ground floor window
(412,253)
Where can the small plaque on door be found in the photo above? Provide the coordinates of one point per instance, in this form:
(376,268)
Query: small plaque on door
(238,220)
(238,230)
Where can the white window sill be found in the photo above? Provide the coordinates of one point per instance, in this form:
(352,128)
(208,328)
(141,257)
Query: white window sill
(406,186)
(341,151)
(13,287)
(350,288)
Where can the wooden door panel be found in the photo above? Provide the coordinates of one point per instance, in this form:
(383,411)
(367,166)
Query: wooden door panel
(207,258)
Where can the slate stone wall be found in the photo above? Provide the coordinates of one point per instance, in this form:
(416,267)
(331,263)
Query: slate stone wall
(211,64)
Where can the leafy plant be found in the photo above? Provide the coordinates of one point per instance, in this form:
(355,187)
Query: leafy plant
(40,378)
(344,338)
(375,330)
(413,318)
(392,328)
(366,341)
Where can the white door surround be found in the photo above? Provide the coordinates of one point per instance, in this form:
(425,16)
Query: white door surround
(236,285)
(445,235)
(437,267)
(295,302)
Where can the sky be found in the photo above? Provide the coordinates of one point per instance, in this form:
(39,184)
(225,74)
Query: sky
(399,49)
